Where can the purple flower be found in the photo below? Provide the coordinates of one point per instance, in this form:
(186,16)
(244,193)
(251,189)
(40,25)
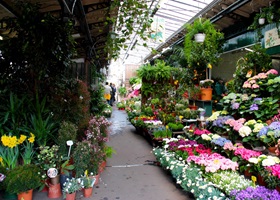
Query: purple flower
(235,106)
(274,126)
(257,99)
(259,192)
(220,141)
(254,107)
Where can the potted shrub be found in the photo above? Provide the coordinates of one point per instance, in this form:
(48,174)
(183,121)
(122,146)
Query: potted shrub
(22,179)
(87,184)
(121,105)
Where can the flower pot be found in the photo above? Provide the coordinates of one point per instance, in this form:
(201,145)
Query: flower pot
(96,179)
(54,191)
(87,192)
(272,150)
(247,173)
(260,180)
(26,195)
(206,94)
(199,37)
(71,196)
(102,166)
(261,21)
(9,196)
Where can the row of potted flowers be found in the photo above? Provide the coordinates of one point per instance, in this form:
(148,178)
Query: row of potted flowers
(195,167)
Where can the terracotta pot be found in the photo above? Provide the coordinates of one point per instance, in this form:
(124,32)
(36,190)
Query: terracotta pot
(96,179)
(102,166)
(54,191)
(71,196)
(272,149)
(26,195)
(206,94)
(87,192)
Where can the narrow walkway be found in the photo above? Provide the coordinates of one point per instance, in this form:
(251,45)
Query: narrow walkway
(129,175)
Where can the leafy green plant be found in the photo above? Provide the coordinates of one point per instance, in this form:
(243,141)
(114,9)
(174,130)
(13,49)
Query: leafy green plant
(66,167)
(200,54)
(122,91)
(23,178)
(175,126)
(162,132)
(67,131)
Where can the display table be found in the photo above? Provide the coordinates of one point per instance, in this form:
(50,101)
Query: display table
(206,105)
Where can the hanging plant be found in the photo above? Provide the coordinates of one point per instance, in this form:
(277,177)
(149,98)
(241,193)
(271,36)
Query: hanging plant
(200,54)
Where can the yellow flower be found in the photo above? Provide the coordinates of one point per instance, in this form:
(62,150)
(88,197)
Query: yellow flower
(209,66)
(31,139)
(166,127)
(21,139)
(9,141)
(1,161)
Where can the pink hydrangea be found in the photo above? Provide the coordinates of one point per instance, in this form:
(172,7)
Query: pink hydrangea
(213,162)
(271,71)
(246,154)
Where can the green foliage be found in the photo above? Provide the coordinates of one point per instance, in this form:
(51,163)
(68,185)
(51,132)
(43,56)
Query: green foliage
(43,46)
(162,132)
(13,112)
(200,54)
(159,72)
(175,126)
(148,111)
(66,167)
(97,102)
(67,131)
(134,80)
(133,17)
(122,91)
(23,178)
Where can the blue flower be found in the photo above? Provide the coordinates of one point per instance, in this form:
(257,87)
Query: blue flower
(259,192)
(220,141)
(263,131)
(257,99)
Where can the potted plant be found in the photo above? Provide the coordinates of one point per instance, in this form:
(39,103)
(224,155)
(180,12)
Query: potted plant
(200,54)
(71,186)
(87,184)
(23,179)
(206,90)
(121,105)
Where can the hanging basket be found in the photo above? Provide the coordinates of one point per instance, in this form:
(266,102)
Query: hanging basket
(206,94)
(199,37)
(261,21)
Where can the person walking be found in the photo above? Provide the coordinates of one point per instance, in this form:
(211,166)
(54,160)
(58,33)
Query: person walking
(113,93)
(107,92)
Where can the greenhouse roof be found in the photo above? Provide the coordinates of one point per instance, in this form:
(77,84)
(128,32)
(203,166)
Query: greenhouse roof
(91,31)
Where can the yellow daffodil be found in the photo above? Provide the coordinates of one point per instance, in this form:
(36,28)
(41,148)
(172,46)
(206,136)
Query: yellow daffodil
(209,66)
(1,161)
(31,139)
(9,141)
(21,139)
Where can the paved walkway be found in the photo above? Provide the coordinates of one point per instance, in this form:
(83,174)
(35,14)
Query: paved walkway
(128,174)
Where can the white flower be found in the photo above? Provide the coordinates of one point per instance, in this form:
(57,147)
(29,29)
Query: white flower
(192,191)
(244,131)
(253,160)
(206,137)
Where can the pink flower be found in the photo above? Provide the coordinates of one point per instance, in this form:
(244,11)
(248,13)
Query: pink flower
(262,75)
(254,86)
(271,71)
(246,154)
(275,170)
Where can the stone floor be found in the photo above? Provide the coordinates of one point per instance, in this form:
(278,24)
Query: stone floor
(130,173)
